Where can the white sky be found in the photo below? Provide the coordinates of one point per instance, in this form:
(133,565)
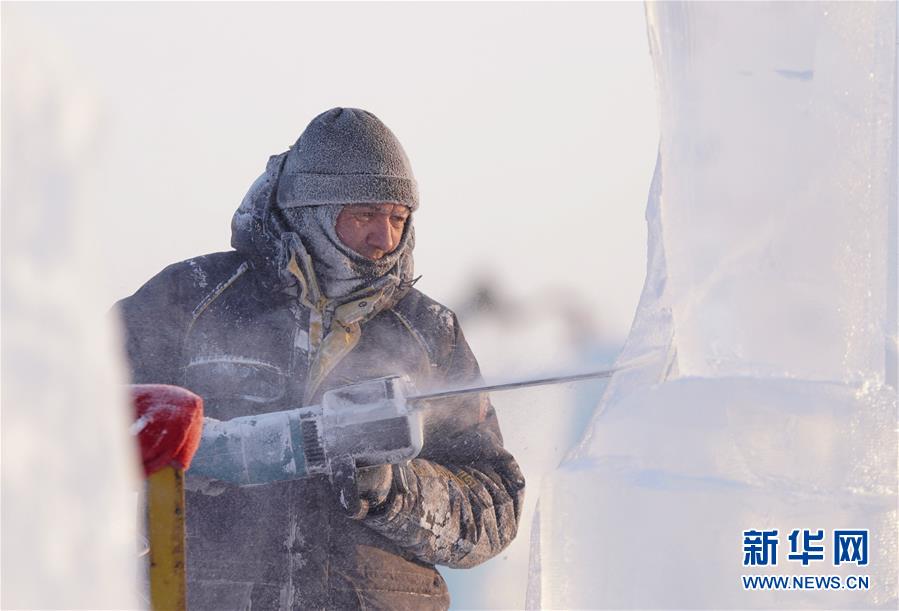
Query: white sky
(532,128)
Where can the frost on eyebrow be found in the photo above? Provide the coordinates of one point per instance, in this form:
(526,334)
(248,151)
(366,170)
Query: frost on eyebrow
(368,208)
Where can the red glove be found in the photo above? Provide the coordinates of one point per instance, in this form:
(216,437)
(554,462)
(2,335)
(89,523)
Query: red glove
(168,426)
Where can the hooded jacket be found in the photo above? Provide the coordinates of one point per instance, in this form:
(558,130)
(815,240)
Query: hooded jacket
(250,331)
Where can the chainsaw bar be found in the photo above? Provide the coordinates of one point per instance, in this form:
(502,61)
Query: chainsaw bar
(558,379)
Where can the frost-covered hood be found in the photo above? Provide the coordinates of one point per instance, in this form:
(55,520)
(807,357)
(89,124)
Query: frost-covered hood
(260,231)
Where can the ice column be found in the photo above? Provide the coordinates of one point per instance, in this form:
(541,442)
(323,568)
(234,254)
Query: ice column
(70,472)
(769,319)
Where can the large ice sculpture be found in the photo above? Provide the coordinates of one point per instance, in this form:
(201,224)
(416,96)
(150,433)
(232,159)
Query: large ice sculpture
(70,470)
(770,300)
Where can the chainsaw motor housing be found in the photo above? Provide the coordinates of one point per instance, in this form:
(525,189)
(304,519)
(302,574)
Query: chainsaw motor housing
(371,422)
(360,425)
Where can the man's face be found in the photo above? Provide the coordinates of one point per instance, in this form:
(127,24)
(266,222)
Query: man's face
(372,230)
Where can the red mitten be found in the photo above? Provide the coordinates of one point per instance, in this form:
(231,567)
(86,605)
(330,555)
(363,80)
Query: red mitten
(168,426)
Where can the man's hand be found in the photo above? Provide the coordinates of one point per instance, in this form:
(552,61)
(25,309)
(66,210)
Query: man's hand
(169,420)
(361,490)
(374,484)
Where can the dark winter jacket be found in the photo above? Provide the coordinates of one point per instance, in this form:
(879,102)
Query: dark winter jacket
(246,330)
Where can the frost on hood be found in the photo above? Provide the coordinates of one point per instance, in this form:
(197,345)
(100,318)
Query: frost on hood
(271,236)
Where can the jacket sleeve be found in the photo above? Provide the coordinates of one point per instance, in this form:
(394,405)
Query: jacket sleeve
(464,494)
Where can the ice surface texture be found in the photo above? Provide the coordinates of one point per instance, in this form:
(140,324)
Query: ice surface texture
(775,162)
(770,300)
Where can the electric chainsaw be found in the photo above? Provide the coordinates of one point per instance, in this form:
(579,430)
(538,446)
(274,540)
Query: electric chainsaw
(375,422)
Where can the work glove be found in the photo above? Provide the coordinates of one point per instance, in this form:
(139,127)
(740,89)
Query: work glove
(374,484)
(169,420)
(362,490)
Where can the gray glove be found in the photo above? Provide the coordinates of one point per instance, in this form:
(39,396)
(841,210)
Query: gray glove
(365,489)
(374,484)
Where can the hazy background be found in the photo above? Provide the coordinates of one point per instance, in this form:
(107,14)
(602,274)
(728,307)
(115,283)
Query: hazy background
(531,127)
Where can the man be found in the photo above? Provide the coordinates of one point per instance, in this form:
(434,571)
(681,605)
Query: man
(317,294)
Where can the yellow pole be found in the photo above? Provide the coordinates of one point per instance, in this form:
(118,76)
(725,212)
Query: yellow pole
(165,530)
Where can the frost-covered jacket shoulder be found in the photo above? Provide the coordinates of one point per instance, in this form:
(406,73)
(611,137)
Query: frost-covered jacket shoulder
(441,336)
(158,316)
